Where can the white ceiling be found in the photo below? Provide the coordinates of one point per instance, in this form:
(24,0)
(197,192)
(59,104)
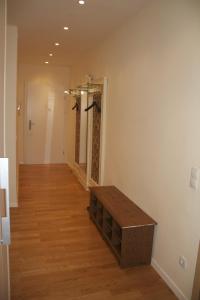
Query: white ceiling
(40,24)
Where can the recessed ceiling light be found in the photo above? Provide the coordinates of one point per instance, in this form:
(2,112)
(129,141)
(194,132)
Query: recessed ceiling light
(46,62)
(66,92)
(81,2)
(50,54)
(66,28)
(82,92)
(57,44)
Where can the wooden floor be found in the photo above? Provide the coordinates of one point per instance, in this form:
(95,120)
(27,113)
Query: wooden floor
(58,254)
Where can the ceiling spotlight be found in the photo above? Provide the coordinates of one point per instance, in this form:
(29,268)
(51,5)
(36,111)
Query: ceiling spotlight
(57,44)
(66,92)
(81,2)
(50,54)
(66,28)
(46,62)
(82,92)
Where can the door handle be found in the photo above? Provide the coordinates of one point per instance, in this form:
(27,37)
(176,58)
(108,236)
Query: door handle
(2,211)
(30,124)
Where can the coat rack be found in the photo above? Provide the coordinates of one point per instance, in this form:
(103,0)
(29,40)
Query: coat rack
(76,106)
(94,104)
(90,88)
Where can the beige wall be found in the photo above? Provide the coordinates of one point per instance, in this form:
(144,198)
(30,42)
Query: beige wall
(58,78)
(10,109)
(4,255)
(153,121)
(2,69)
(71,119)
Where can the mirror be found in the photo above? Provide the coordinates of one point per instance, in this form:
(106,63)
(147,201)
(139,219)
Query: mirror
(83,132)
(90,132)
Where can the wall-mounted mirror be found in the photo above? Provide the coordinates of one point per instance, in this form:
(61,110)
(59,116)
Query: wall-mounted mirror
(83,132)
(90,132)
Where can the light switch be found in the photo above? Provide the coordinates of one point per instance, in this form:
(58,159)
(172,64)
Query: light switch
(194,178)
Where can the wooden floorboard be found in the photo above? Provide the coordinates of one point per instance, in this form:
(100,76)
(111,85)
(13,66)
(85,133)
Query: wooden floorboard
(57,252)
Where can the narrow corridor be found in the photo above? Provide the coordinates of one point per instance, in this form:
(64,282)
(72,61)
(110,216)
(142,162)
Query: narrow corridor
(57,252)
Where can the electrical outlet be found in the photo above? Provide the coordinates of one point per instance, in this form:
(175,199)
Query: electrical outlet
(183,262)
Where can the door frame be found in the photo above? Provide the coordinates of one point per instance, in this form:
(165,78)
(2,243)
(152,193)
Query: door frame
(196,287)
(5,230)
(103,132)
(4,250)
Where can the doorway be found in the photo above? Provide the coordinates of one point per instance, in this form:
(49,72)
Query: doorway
(44,124)
(42,120)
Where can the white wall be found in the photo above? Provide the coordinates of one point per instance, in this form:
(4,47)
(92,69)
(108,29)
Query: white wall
(58,79)
(10,109)
(4,255)
(2,70)
(153,121)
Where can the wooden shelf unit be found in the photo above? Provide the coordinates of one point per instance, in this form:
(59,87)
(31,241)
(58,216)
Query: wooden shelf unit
(126,228)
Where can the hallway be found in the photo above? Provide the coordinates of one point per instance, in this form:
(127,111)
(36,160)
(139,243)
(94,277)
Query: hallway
(56,251)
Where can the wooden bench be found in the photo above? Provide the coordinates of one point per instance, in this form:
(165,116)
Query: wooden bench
(126,228)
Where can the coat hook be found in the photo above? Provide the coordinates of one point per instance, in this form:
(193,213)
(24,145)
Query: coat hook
(94,104)
(76,106)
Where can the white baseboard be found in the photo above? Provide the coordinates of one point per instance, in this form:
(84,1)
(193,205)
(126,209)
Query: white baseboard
(92,182)
(79,174)
(14,205)
(172,285)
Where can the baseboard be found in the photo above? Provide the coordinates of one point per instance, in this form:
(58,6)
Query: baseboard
(13,205)
(79,175)
(92,182)
(172,285)
(69,165)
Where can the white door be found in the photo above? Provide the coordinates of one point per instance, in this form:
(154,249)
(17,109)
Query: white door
(4,230)
(44,123)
